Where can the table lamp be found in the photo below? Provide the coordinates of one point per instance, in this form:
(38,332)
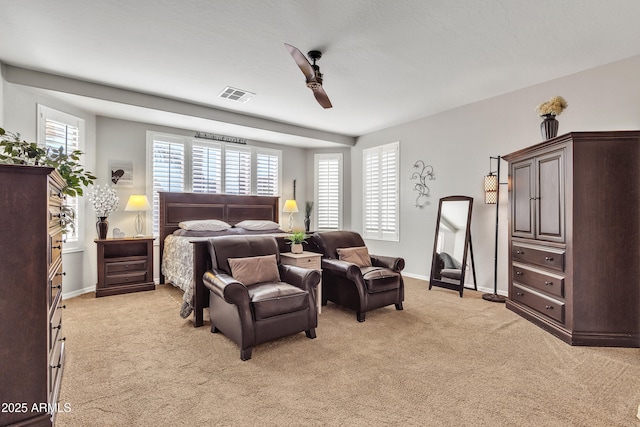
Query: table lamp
(290,206)
(138,203)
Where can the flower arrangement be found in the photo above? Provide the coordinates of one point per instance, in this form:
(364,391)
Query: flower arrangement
(554,106)
(105,201)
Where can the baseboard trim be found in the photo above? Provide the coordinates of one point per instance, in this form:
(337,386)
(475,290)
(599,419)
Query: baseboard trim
(66,295)
(468,285)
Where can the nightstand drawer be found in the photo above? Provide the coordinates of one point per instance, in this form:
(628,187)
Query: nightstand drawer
(139,264)
(310,262)
(126,277)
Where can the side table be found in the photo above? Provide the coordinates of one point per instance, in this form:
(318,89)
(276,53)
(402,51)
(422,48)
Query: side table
(310,260)
(124,265)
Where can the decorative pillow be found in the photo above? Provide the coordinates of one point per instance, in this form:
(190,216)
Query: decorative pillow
(204,225)
(357,255)
(259,225)
(256,269)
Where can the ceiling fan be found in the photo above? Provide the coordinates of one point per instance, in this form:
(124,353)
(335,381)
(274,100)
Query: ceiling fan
(311,72)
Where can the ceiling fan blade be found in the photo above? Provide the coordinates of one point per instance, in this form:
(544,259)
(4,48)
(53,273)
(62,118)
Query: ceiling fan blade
(321,97)
(302,61)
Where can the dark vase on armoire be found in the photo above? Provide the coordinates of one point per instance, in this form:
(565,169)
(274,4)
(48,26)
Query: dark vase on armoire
(574,238)
(32,342)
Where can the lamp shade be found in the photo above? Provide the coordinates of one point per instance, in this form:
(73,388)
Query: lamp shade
(290,206)
(137,203)
(491,189)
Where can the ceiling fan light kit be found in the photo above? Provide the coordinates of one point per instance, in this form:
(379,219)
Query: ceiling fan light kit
(311,72)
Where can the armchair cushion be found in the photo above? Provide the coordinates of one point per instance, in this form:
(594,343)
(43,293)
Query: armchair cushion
(380,279)
(257,269)
(273,299)
(357,255)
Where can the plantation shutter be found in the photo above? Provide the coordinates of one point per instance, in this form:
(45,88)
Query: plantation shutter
(329,191)
(237,170)
(267,180)
(168,172)
(58,134)
(381,192)
(206,164)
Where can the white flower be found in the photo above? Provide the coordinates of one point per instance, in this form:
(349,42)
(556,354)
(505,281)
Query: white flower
(105,201)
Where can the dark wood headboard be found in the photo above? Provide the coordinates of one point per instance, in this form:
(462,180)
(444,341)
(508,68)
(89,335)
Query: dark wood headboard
(176,207)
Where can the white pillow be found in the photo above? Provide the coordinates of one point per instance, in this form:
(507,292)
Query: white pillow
(204,225)
(258,225)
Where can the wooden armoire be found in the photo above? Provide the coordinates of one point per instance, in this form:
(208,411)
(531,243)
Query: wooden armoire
(574,244)
(32,342)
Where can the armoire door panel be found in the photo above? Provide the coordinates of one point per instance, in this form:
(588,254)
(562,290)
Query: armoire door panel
(522,190)
(550,197)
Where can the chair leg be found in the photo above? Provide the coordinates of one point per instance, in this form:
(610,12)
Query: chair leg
(360,316)
(399,306)
(311,333)
(246,353)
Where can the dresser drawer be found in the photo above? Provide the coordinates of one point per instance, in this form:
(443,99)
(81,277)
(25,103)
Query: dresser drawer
(55,247)
(126,277)
(547,306)
(546,257)
(55,323)
(546,282)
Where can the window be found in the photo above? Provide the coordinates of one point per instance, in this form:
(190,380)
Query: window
(57,129)
(381,197)
(328,188)
(178,163)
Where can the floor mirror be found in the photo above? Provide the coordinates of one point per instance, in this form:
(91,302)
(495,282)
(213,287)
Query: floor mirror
(452,244)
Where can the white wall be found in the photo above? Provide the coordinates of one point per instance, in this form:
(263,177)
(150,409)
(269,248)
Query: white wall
(459,142)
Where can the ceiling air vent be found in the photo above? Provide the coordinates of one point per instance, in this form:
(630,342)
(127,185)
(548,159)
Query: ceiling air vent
(234,94)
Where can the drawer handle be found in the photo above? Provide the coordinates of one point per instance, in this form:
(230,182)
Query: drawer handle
(58,287)
(62,306)
(548,307)
(548,258)
(58,366)
(61,274)
(61,215)
(548,283)
(57,327)
(63,339)
(520,294)
(519,273)
(56,247)
(520,252)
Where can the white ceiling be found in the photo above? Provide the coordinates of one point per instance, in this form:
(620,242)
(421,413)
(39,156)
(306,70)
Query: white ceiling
(384,63)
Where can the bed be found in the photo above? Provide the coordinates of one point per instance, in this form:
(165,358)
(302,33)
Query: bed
(184,259)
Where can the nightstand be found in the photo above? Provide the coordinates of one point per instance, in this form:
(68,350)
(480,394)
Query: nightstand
(306,259)
(124,265)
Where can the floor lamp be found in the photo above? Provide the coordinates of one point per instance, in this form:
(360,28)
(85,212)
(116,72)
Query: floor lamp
(491,196)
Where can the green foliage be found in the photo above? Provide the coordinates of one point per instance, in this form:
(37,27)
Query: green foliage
(297,237)
(19,152)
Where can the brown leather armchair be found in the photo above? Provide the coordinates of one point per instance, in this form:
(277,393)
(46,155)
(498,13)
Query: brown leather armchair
(253,313)
(360,288)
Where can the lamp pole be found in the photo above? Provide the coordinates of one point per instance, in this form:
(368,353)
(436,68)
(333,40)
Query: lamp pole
(494,297)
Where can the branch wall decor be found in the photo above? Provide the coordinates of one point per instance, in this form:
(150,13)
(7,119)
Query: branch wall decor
(424,172)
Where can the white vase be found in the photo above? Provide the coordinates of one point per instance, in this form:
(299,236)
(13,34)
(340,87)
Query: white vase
(296,248)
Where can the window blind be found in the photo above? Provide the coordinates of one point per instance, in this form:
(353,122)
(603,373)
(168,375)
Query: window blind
(381,192)
(267,175)
(329,191)
(206,166)
(237,170)
(168,172)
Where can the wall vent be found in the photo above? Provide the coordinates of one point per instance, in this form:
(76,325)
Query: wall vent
(235,94)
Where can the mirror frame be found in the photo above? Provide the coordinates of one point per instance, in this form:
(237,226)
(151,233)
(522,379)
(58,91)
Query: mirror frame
(467,247)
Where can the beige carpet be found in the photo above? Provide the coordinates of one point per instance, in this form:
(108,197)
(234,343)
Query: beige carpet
(443,361)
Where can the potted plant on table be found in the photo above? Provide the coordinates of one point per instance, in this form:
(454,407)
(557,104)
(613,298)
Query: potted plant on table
(296,239)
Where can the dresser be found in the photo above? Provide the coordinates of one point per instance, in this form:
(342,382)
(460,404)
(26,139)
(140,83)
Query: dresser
(574,241)
(124,265)
(32,349)
(306,259)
